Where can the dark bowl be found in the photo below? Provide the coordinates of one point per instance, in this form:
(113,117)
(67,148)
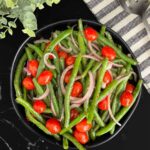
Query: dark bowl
(45,32)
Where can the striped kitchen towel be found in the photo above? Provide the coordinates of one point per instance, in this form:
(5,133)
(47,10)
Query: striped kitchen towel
(130,28)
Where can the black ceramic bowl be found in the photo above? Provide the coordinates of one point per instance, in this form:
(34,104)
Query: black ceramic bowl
(45,32)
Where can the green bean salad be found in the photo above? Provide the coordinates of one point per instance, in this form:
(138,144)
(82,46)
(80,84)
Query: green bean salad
(77,85)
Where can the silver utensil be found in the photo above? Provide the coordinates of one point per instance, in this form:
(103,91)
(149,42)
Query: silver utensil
(138,7)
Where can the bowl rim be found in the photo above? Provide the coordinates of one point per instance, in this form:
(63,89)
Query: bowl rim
(50,26)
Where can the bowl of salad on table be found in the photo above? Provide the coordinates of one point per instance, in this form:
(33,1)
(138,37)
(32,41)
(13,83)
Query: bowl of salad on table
(76,84)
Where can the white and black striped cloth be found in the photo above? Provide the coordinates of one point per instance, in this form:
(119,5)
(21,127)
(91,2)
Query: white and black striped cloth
(130,28)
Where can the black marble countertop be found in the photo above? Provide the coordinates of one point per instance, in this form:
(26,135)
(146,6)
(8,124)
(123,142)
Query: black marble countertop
(15,136)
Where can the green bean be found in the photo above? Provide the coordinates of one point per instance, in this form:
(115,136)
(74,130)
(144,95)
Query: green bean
(56,62)
(36,49)
(38,87)
(24,93)
(119,53)
(122,112)
(58,39)
(69,89)
(28,106)
(109,37)
(98,119)
(40,67)
(88,67)
(74,141)
(65,143)
(60,96)
(18,74)
(82,47)
(41,126)
(104,115)
(100,76)
(75,50)
(96,67)
(43,46)
(92,135)
(62,64)
(73,123)
(29,53)
(47,111)
(53,98)
(80,26)
(103,30)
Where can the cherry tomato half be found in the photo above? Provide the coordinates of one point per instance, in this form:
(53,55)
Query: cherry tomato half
(70,60)
(126,99)
(53,125)
(109,53)
(107,77)
(45,77)
(33,67)
(74,114)
(39,106)
(103,105)
(130,88)
(28,83)
(81,137)
(90,34)
(77,89)
(67,76)
(62,54)
(83,126)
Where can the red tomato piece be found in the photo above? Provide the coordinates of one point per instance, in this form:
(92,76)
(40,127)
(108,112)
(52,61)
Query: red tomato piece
(109,53)
(126,99)
(39,106)
(45,77)
(74,114)
(90,34)
(53,125)
(33,67)
(130,88)
(28,83)
(62,54)
(67,76)
(70,60)
(83,126)
(77,89)
(103,105)
(107,77)
(81,137)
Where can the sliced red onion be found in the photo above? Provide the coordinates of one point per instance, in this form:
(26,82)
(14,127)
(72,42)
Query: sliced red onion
(73,41)
(93,52)
(103,85)
(68,50)
(43,96)
(75,106)
(52,108)
(76,100)
(116,65)
(62,115)
(62,78)
(46,57)
(41,41)
(95,46)
(25,69)
(110,112)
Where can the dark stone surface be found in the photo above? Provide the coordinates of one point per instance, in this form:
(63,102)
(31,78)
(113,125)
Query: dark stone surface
(15,136)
